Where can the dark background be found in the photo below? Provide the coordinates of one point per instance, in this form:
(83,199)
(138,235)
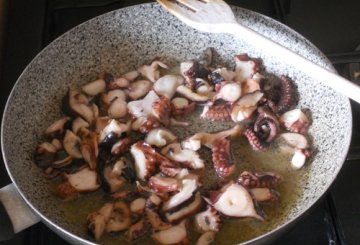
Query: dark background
(332,25)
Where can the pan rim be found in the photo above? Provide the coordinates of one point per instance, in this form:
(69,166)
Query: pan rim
(59,229)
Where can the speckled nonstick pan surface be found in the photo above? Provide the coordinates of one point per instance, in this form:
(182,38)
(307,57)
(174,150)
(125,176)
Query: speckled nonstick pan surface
(124,39)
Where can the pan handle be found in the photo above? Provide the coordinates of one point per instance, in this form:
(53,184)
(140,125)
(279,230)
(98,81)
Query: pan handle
(15,214)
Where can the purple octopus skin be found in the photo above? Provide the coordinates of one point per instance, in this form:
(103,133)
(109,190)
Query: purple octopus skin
(281,95)
(264,129)
(268,120)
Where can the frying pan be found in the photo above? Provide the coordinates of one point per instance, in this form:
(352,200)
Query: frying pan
(121,41)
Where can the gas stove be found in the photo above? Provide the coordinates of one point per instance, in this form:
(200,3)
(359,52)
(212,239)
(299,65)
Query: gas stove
(331,25)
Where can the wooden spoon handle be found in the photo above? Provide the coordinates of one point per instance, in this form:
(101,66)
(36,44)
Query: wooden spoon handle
(285,55)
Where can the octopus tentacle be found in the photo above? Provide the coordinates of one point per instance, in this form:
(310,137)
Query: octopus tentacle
(161,109)
(138,229)
(266,125)
(217,112)
(221,158)
(163,184)
(280,94)
(287,95)
(254,140)
(170,168)
(149,124)
(264,130)
(264,195)
(259,180)
(208,220)
(147,159)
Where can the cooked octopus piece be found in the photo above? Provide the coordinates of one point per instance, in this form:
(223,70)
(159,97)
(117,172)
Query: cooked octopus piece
(163,184)
(295,121)
(138,205)
(131,75)
(159,137)
(143,107)
(170,168)
(252,84)
(221,158)
(118,83)
(97,220)
(176,234)
(264,195)
(167,85)
(188,93)
(80,127)
(207,139)
(245,67)
(84,180)
(152,71)
(152,206)
(57,129)
(299,158)
(176,123)
(243,108)
(96,225)
(161,110)
(187,210)
(113,131)
(189,186)
(280,93)
(181,106)
(148,124)
(203,87)
(62,159)
(259,180)
(106,99)
(220,75)
(221,112)
(113,180)
(89,149)
(71,144)
(208,220)
(77,104)
(120,218)
(45,154)
(294,140)
(233,200)
(57,144)
(95,87)
(144,163)
(193,69)
(297,145)
(138,89)
(263,131)
(228,91)
(120,146)
(138,229)
(117,108)
(188,158)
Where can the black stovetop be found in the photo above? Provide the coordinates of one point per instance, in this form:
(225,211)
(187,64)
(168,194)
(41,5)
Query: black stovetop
(333,26)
